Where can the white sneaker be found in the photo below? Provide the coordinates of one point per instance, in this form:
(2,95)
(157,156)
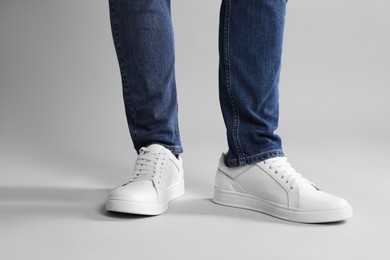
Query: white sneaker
(157,178)
(275,188)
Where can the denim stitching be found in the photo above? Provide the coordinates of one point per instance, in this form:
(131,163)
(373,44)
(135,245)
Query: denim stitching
(255,158)
(236,143)
(174,149)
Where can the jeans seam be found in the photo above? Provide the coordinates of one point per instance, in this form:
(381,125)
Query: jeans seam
(177,116)
(177,131)
(235,137)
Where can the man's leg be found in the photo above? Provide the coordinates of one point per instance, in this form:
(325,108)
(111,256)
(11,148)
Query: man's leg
(250,48)
(254,173)
(143,37)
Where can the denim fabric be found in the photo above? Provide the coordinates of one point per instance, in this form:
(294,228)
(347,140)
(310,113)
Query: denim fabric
(250,49)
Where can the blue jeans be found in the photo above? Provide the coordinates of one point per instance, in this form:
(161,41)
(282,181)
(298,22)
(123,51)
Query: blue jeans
(250,49)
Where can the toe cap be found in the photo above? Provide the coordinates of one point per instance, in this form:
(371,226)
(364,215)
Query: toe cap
(321,200)
(140,191)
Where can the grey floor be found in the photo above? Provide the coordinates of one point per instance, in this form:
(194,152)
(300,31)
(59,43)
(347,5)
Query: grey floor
(64,141)
(52,207)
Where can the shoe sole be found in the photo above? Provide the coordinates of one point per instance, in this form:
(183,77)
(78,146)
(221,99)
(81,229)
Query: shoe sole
(245,201)
(133,207)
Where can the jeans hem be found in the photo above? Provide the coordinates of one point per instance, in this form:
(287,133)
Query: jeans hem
(254,158)
(175,149)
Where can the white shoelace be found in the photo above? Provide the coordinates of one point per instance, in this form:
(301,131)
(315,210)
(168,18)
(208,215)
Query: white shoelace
(282,167)
(145,166)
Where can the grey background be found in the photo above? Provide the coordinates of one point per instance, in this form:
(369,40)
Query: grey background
(64,141)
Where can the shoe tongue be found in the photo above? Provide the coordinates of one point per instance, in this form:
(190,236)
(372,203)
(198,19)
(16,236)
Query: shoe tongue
(154,148)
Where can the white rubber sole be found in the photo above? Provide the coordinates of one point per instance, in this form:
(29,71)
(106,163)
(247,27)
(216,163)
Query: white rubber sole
(134,207)
(245,201)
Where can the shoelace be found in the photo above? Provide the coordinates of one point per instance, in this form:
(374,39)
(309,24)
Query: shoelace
(145,166)
(282,167)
